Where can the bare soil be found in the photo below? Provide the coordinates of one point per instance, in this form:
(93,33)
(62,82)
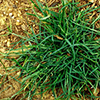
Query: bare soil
(13,14)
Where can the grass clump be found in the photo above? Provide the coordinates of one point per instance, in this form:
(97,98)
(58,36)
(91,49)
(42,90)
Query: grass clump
(66,54)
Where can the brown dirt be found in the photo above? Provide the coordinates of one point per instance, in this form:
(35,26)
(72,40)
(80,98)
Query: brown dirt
(13,14)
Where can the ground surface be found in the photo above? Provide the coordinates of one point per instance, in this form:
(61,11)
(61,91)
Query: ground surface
(13,14)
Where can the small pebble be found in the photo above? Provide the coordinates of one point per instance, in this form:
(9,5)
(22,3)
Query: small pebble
(23,27)
(14,6)
(12,17)
(4,12)
(16,1)
(10,14)
(18,20)
(91,1)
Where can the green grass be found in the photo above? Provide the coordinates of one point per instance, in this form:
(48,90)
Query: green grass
(66,54)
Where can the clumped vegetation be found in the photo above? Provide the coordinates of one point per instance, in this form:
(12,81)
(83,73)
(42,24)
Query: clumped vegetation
(65,54)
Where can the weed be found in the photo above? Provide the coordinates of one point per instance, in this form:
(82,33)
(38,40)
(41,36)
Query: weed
(66,55)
